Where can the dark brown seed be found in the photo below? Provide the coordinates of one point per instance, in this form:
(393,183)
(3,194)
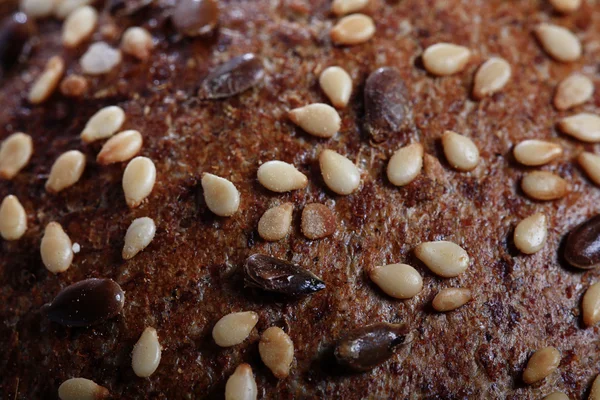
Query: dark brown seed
(280,276)
(582,249)
(366,347)
(385,103)
(233,77)
(15,32)
(85,303)
(196,17)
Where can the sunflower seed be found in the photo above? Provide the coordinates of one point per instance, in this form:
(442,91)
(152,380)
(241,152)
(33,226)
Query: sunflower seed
(234,328)
(121,147)
(196,17)
(337,86)
(451,299)
(582,247)
(584,127)
(139,235)
(491,77)
(137,42)
(544,186)
(386,103)
(343,7)
(241,385)
(443,258)
(445,58)
(276,351)
(400,281)
(233,77)
(560,43)
(275,222)
(591,165)
(573,91)
(103,124)
(536,152)
(79,26)
(66,171)
(145,357)
(221,196)
(530,233)
(15,153)
(460,151)
(281,177)
(591,305)
(82,389)
(541,364)
(318,119)
(353,29)
(405,164)
(138,180)
(13,218)
(339,173)
(318,221)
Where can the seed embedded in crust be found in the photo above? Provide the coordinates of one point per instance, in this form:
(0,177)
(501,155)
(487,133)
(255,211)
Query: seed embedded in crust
(595,390)
(66,171)
(530,233)
(276,351)
(387,103)
(339,173)
(536,152)
(234,328)
(281,177)
(451,299)
(74,86)
(446,259)
(584,127)
(491,77)
(353,29)
(565,6)
(145,357)
(137,42)
(100,59)
(138,180)
(582,247)
(196,17)
(121,147)
(318,119)
(221,196)
(81,389)
(405,164)
(557,396)
(241,385)
(560,43)
(318,221)
(233,77)
(139,235)
(541,364)
(444,59)
(591,165)
(544,186)
(336,83)
(56,248)
(275,222)
(343,7)
(591,305)
(36,8)
(79,26)
(103,124)
(400,281)
(46,83)
(460,151)
(573,91)
(15,153)
(13,218)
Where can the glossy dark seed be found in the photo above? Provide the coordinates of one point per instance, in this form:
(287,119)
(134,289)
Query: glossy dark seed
(196,17)
(366,347)
(280,276)
(85,303)
(385,103)
(582,249)
(233,77)
(15,32)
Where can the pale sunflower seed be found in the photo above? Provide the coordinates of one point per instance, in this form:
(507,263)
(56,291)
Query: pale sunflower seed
(15,153)
(221,196)
(543,185)
(530,233)
(491,77)
(66,171)
(353,29)
(573,91)
(138,180)
(13,218)
(536,152)
(445,58)
(560,43)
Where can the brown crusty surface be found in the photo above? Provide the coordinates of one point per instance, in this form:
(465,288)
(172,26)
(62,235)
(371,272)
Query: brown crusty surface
(189,276)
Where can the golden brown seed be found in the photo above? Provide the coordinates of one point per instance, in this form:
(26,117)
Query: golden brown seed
(79,26)
(573,91)
(530,233)
(63,8)
(276,351)
(139,235)
(137,42)
(138,180)
(451,299)
(275,222)
(81,389)
(339,173)
(405,164)
(353,29)
(591,305)
(445,58)
(536,152)
(446,259)
(318,221)
(343,7)
(565,6)
(318,119)
(15,153)
(584,126)
(103,124)
(557,396)
(221,196)
(491,77)
(400,281)
(591,165)
(541,364)
(56,248)
(121,147)
(543,185)
(241,385)
(595,390)
(46,83)
(66,171)
(13,218)
(234,328)
(36,8)
(560,43)
(280,177)
(460,151)
(74,86)
(145,357)
(336,83)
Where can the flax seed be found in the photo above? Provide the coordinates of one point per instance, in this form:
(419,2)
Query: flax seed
(79,26)
(234,328)
(443,258)
(400,281)
(451,299)
(560,43)
(544,186)
(491,77)
(145,357)
(336,83)
(121,147)
(13,218)
(46,83)
(353,29)
(445,58)
(541,364)
(15,153)
(584,127)
(221,196)
(530,233)
(56,248)
(536,152)
(138,180)
(276,351)
(339,173)
(318,119)
(460,151)
(66,171)
(573,91)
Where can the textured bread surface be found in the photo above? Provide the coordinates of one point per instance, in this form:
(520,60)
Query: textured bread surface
(190,275)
